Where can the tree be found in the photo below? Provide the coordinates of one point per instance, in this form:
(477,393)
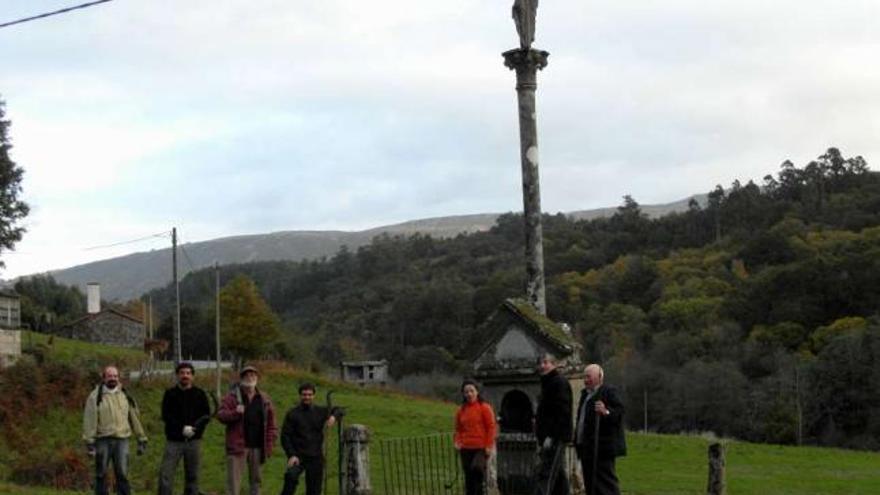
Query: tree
(12,209)
(248,326)
(45,302)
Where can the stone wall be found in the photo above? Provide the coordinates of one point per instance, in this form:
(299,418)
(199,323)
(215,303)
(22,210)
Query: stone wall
(106,328)
(10,347)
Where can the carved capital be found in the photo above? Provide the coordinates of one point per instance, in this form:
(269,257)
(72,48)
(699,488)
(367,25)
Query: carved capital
(526,63)
(530,59)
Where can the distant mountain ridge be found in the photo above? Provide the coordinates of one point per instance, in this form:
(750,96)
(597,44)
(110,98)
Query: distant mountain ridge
(129,276)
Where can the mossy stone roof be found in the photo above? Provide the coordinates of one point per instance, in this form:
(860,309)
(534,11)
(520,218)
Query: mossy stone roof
(546,327)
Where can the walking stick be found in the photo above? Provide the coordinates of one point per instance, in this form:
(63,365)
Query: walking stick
(554,468)
(340,413)
(324,445)
(595,454)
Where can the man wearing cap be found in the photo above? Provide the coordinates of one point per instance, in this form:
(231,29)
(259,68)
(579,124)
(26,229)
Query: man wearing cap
(249,417)
(186,413)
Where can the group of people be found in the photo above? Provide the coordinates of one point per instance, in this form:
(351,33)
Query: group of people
(597,432)
(111,418)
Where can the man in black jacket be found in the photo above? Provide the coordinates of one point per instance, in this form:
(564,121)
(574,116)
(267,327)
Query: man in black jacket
(553,425)
(302,437)
(186,412)
(599,402)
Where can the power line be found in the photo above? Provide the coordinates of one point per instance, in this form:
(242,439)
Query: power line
(56,12)
(160,234)
(192,268)
(186,256)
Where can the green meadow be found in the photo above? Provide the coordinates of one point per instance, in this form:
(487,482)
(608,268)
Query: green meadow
(656,464)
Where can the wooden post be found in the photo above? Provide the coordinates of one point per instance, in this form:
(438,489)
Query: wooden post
(356,440)
(716,484)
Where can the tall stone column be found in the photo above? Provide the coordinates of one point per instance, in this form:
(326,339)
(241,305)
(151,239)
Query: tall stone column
(526,62)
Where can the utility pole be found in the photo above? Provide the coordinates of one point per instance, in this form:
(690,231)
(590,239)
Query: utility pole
(177,350)
(150,312)
(526,61)
(217,321)
(149,317)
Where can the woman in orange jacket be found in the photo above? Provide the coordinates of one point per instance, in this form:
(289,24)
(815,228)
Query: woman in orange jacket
(474,436)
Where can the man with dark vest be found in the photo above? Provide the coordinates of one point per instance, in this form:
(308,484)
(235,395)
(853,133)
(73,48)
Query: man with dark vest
(599,411)
(553,426)
(249,417)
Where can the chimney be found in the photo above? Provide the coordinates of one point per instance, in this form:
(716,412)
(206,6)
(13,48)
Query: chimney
(93,292)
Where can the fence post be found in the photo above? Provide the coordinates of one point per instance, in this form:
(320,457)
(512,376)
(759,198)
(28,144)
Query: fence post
(356,440)
(716,470)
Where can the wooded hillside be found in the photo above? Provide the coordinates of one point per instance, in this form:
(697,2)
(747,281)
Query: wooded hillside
(754,316)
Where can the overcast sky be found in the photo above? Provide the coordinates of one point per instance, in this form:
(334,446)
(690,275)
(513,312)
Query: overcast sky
(231,117)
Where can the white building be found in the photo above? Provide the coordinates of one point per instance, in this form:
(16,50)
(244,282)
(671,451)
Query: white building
(10,324)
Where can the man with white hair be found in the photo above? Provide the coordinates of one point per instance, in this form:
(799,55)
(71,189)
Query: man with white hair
(249,417)
(598,436)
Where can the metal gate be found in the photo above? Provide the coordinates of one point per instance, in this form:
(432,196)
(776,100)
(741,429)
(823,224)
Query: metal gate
(424,465)
(430,465)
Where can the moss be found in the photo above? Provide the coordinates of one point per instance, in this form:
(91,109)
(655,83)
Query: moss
(543,324)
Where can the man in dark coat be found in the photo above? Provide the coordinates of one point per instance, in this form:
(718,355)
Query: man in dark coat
(599,402)
(302,437)
(186,413)
(553,425)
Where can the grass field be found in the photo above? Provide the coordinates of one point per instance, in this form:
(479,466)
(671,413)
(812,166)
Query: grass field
(656,464)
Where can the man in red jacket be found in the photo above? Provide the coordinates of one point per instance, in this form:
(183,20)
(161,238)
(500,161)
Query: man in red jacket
(249,417)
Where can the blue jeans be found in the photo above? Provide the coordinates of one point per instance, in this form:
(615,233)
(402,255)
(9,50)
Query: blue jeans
(115,450)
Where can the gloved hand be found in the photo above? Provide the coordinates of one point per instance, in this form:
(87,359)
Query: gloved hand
(142,447)
(548,443)
(188,431)
(90,449)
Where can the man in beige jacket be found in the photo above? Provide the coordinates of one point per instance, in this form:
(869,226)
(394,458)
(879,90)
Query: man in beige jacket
(110,417)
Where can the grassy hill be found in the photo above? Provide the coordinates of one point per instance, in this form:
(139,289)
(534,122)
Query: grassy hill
(78,353)
(657,464)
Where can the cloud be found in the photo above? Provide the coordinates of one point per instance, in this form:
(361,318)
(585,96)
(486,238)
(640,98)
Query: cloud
(243,117)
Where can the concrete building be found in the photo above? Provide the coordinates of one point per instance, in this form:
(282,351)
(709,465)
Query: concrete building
(10,310)
(10,324)
(364,372)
